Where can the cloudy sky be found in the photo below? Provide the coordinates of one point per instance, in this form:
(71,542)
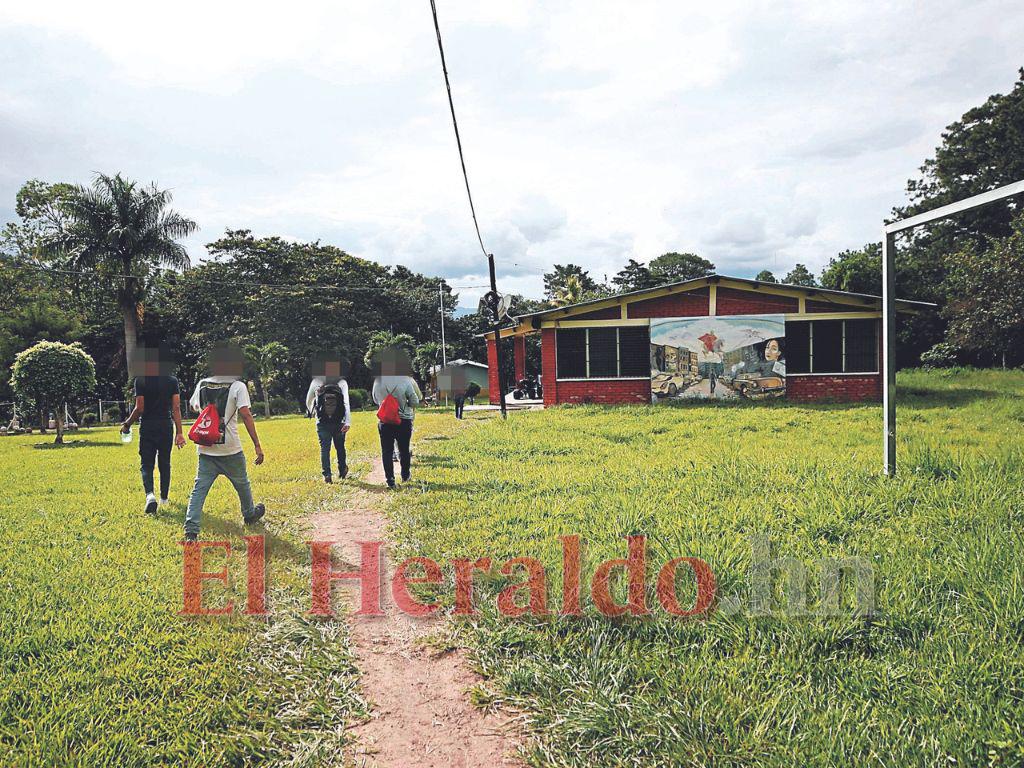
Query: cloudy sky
(757,134)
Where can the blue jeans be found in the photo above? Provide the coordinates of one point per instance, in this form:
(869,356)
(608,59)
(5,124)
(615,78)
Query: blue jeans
(210,467)
(328,434)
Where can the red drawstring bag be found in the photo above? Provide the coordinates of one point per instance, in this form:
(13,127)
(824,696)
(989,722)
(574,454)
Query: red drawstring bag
(206,430)
(388,411)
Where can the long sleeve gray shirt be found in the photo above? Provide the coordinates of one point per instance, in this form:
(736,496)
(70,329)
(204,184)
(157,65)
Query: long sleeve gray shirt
(403,388)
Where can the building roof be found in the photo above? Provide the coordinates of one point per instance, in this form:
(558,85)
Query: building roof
(460,361)
(685,285)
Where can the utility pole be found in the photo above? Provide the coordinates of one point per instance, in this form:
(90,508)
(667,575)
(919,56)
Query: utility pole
(440,295)
(497,333)
(444,354)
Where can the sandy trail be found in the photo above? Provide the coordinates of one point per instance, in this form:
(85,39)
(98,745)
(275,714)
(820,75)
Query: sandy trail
(421,711)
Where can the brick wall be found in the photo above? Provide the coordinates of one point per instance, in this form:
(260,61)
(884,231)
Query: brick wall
(689,304)
(608,313)
(493,390)
(547,366)
(730,301)
(605,392)
(846,387)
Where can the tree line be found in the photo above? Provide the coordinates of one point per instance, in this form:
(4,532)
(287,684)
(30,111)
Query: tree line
(102,265)
(971,266)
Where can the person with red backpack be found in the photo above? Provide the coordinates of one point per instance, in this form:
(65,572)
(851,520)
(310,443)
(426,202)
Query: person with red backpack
(397,395)
(327,399)
(222,400)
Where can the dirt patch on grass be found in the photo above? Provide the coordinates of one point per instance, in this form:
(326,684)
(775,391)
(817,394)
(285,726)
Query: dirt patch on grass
(421,713)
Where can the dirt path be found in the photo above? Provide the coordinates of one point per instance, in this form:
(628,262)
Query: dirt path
(421,711)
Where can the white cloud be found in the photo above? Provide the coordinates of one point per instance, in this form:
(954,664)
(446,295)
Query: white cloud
(757,134)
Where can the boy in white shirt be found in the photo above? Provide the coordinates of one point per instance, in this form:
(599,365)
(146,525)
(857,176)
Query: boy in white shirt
(225,388)
(327,399)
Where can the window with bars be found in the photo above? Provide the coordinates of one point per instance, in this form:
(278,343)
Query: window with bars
(603,353)
(832,346)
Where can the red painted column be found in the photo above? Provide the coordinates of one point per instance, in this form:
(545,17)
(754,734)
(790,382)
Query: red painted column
(519,357)
(547,366)
(492,372)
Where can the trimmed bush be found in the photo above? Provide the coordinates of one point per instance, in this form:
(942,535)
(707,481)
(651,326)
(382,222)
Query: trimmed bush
(358,398)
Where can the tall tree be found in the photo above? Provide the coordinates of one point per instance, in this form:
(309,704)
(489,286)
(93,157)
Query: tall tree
(858,271)
(765,276)
(982,150)
(634,277)
(125,232)
(800,275)
(986,306)
(677,267)
(555,280)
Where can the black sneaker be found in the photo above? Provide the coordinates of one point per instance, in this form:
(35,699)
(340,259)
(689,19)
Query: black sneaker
(327,479)
(406,478)
(392,485)
(344,472)
(151,507)
(191,537)
(257,512)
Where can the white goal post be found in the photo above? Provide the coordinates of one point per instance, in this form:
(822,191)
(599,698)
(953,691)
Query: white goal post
(889,303)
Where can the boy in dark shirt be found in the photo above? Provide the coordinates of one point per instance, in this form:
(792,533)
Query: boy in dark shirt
(158,409)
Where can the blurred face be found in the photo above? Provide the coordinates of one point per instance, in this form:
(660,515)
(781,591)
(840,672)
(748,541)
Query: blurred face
(227,361)
(395,361)
(332,368)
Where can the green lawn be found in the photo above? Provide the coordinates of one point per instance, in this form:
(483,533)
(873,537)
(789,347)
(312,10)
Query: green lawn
(934,677)
(97,668)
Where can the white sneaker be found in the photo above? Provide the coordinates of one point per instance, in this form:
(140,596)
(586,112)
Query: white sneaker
(150,504)
(164,502)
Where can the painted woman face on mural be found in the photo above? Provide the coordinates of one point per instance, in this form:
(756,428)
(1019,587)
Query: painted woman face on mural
(772,352)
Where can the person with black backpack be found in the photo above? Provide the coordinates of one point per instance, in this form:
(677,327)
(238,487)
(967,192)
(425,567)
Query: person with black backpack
(327,399)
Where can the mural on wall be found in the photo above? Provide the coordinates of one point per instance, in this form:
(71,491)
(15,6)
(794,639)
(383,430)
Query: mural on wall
(718,358)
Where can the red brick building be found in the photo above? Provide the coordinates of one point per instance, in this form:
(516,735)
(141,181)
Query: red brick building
(601,351)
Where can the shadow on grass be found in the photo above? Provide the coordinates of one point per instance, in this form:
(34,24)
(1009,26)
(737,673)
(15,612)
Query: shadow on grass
(75,444)
(213,526)
(942,398)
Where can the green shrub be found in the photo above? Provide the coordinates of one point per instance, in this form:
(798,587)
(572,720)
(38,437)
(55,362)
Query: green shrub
(282,405)
(358,398)
(942,355)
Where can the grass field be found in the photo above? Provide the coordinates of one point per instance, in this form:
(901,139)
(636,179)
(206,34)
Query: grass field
(934,677)
(97,668)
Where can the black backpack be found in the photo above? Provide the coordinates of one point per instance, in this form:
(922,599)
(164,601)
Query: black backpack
(330,404)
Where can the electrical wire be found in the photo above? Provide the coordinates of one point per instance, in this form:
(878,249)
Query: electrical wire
(455,124)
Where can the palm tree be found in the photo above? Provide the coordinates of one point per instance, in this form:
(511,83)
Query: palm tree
(265,361)
(572,292)
(125,232)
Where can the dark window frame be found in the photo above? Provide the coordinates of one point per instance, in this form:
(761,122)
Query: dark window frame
(586,347)
(844,359)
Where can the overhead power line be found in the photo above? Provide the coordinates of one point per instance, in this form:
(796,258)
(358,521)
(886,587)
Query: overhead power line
(455,124)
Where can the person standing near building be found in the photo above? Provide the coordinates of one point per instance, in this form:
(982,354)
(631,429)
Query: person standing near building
(392,371)
(227,391)
(158,411)
(327,399)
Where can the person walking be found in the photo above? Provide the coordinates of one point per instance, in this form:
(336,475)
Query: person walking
(327,399)
(158,411)
(225,390)
(395,391)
